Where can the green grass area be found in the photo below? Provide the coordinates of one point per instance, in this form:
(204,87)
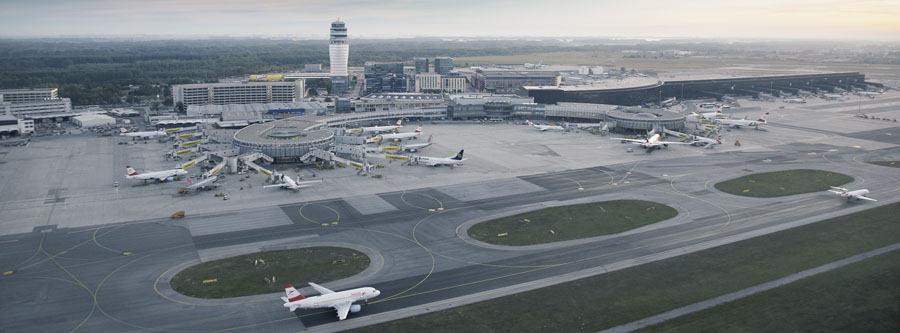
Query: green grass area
(860,297)
(623,296)
(248,275)
(571,222)
(893,164)
(783,183)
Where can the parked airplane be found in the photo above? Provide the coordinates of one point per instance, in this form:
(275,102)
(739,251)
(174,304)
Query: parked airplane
(401,136)
(869,94)
(736,123)
(652,141)
(794,100)
(157,175)
(438,161)
(585,126)
(845,193)
(544,128)
(417,146)
(146,135)
(291,184)
(341,301)
(537,65)
(381,129)
(696,140)
(206,183)
(833,96)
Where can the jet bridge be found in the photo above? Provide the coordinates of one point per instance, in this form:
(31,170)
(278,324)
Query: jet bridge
(330,157)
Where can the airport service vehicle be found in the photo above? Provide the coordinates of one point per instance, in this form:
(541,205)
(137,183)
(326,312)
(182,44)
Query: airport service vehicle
(851,195)
(652,141)
(544,128)
(381,129)
(341,301)
(438,161)
(736,123)
(145,135)
(417,146)
(401,136)
(291,184)
(161,176)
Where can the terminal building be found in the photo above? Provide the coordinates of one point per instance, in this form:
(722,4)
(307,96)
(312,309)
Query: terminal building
(508,81)
(238,93)
(38,108)
(28,95)
(285,140)
(395,101)
(641,90)
(434,82)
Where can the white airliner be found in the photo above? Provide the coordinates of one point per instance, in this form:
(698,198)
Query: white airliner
(380,129)
(696,140)
(851,195)
(342,301)
(209,182)
(291,184)
(735,123)
(869,94)
(833,96)
(146,135)
(417,146)
(653,142)
(537,65)
(157,175)
(544,128)
(438,161)
(401,136)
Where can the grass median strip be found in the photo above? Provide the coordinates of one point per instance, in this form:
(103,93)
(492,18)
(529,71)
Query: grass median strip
(783,183)
(860,297)
(570,222)
(893,164)
(627,295)
(267,272)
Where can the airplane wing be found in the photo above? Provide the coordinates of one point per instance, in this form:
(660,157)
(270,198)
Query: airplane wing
(866,198)
(276,185)
(343,309)
(631,140)
(324,291)
(672,143)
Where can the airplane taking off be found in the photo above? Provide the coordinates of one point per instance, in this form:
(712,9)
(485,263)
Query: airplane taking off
(736,123)
(452,161)
(652,141)
(845,193)
(161,176)
(401,136)
(342,301)
(380,129)
(146,135)
(417,146)
(544,128)
(291,184)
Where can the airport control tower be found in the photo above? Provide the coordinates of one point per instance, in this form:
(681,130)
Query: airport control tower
(339,51)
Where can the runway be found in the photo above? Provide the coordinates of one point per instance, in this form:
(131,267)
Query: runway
(114,277)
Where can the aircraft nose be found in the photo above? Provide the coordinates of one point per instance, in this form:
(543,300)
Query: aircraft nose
(377,292)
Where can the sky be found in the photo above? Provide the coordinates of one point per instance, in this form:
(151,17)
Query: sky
(785,19)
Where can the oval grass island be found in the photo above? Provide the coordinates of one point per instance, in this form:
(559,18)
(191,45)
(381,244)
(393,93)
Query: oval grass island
(267,272)
(783,183)
(570,222)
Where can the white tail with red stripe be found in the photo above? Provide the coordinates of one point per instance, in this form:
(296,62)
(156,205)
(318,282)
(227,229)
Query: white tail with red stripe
(130,171)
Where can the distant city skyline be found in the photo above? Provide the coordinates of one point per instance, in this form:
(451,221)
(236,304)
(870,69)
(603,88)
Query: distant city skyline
(803,19)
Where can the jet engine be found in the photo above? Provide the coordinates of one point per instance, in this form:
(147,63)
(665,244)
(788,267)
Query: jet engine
(355,308)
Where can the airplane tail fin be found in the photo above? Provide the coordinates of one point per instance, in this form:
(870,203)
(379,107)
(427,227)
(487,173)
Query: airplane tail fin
(746,117)
(292,294)
(419,129)
(399,122)
(130,171)
(189,181)
(459,156)
(429,138)
(763,118)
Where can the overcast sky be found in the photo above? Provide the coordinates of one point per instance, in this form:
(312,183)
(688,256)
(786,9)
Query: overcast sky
(824,19)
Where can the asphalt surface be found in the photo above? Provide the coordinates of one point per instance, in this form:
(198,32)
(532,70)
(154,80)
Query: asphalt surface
(65,272)
(80,279)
